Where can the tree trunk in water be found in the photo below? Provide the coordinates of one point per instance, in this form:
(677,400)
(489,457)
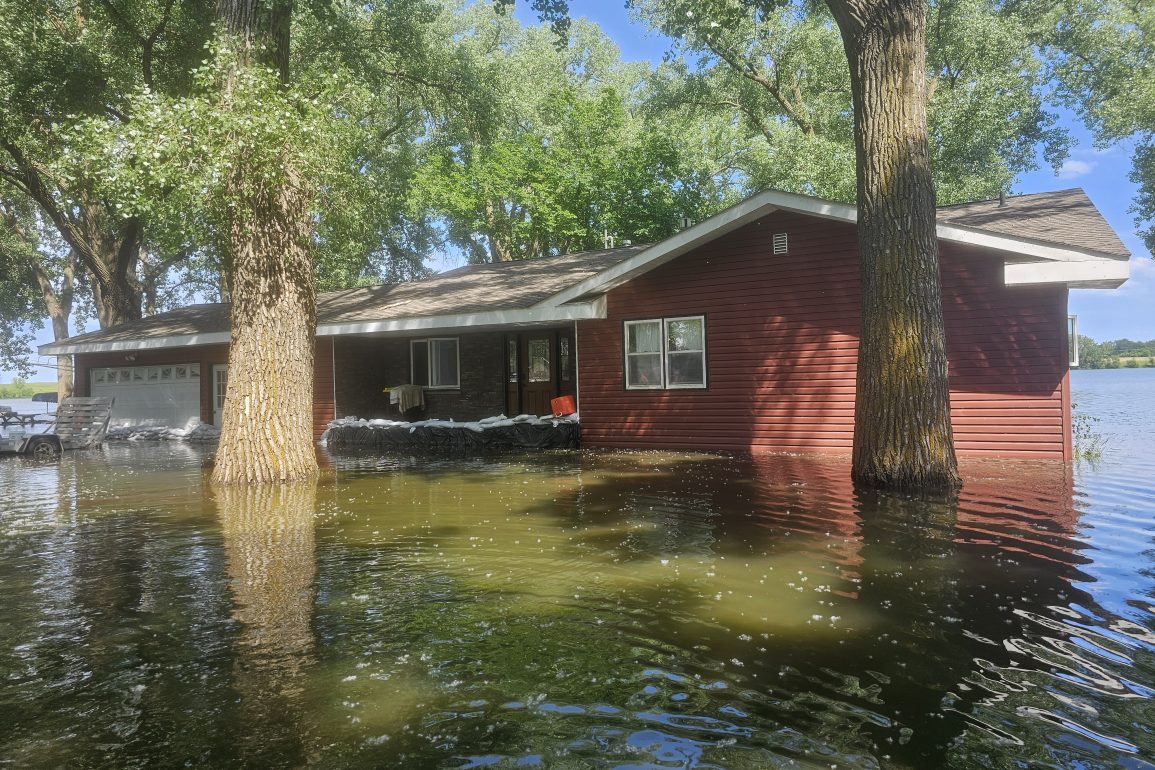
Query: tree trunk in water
(902,431)
(267,425)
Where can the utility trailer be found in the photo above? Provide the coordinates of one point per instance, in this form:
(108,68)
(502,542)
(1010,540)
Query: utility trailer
(80,423)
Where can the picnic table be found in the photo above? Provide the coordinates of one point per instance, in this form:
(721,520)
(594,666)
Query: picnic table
(23,420)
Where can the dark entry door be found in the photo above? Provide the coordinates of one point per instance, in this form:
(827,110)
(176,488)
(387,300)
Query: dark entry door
(513,369)
(539,385)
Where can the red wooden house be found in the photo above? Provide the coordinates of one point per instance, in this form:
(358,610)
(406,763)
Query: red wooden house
(739,333)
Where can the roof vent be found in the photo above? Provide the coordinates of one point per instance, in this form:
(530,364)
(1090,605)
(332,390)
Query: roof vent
(779,243)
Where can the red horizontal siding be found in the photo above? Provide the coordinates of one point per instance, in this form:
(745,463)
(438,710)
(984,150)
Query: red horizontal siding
(782,342)
(324,398)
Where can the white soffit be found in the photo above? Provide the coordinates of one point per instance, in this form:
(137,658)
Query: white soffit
(575,311)
(1087,274)
(766,202)
(595,308)
(149,343)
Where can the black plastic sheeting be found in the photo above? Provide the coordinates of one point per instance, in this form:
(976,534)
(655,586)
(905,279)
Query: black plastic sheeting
(564,435)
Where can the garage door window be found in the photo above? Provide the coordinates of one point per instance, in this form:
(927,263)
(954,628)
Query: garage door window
(164,395)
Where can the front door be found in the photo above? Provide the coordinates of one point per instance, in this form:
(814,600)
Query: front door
(220,385)
(540,385)
(512,374)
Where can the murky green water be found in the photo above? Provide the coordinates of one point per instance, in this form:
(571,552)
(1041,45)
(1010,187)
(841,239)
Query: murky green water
(573,610)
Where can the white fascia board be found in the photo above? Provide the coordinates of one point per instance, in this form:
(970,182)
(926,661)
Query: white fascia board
(1017,246)
(595,308)
(768,201)
(150,343)
(578,311)
(1087,274)
(705,231)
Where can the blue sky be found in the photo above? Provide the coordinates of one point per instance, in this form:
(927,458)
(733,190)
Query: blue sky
(1125,312)
(1105,315)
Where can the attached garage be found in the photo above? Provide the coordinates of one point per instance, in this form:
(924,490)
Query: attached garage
(168,394)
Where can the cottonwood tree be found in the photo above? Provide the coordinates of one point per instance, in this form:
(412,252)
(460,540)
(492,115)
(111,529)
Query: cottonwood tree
(269,169)
(781,74)
(902,431)
(1102,57)
(60,61)
(550,149)
(266,430)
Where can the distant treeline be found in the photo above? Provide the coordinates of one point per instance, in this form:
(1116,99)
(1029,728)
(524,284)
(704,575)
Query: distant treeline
(1115,354)
(19,388)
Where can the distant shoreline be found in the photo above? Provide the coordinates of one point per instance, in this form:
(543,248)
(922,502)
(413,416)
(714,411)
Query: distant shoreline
(25,389)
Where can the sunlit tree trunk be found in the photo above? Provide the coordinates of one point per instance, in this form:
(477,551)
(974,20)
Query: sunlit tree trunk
(58,303)
(266,431)
(902,430)
(107,248)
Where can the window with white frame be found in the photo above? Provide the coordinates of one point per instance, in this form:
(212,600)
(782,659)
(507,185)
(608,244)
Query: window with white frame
(666,353)
(435,363)
(1073,340)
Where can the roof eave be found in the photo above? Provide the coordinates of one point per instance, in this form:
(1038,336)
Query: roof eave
(532,316)
(768,201)
(69,347)
(1085,274)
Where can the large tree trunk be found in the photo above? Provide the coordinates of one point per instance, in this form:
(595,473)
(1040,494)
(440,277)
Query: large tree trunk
(267,425)
(112,259)
(109,250)
(902,430)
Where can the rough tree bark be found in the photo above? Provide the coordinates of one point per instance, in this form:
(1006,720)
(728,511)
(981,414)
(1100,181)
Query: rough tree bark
(108,249)
(58,303)
(902,432)
(266,430)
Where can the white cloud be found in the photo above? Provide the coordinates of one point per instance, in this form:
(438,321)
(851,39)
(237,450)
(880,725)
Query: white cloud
(1075,168)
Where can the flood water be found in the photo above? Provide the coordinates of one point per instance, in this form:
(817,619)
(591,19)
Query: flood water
(576,610)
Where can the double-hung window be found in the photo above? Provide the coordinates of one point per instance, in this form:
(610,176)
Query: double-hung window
(435,363)
(666,353)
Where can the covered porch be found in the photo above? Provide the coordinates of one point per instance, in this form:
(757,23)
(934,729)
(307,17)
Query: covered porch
(465,374)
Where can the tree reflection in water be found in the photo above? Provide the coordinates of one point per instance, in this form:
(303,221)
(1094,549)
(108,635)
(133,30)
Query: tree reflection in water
(270,549)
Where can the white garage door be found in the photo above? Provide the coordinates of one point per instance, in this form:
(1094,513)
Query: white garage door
(168,395)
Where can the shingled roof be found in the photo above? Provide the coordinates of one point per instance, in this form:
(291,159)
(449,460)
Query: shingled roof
(471,289)
(566,287)
(1065,218)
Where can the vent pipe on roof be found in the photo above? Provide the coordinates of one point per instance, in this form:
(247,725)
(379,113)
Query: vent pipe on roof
(1002,198)
(686,223)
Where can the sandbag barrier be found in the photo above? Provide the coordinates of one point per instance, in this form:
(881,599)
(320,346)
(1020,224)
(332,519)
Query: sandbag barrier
(558,434)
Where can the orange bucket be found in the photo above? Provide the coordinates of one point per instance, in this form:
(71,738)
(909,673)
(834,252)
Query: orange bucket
(563,405)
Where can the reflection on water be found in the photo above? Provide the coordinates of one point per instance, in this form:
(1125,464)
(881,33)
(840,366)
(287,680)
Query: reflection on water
(270,552)
(573,610)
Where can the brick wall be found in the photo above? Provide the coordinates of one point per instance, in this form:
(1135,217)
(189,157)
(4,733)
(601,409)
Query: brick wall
(366,365)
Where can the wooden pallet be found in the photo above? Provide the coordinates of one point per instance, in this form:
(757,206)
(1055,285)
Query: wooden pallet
(81,422)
